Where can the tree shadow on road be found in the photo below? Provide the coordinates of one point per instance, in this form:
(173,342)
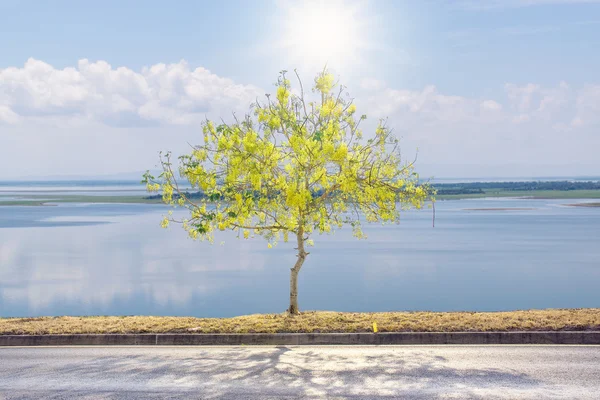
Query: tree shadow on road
(276,372)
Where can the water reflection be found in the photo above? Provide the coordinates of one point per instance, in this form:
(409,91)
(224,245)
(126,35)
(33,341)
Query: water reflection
(114,259)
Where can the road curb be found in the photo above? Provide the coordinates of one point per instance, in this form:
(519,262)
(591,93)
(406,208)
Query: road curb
(397,338)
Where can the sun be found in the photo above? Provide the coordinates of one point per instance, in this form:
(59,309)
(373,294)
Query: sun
(320,32)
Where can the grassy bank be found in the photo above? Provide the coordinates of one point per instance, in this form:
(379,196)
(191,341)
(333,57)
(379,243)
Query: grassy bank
(319,321)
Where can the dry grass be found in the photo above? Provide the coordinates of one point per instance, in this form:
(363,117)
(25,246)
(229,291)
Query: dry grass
(315,321)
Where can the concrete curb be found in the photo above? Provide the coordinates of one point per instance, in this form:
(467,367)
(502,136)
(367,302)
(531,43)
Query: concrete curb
(399,338)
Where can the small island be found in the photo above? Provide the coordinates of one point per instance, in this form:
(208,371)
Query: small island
(584,205)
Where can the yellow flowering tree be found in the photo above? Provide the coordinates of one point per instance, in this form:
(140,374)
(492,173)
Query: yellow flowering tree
(292,168)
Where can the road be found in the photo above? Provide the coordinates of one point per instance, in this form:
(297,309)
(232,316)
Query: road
(356,372)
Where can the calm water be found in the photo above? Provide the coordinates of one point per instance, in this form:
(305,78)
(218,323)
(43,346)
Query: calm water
(75,259)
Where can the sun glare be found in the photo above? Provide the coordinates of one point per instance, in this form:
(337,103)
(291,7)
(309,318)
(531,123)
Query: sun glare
(319,32)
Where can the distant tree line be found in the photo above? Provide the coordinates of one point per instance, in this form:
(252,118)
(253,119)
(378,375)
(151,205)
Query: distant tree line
(457,190)
(481,187)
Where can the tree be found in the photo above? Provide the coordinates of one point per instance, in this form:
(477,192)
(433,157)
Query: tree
(292,167)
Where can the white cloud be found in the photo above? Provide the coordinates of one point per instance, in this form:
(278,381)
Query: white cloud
(588,106)
(491,105)
(562,105)
(530,124)
(429,106)
(64,121)
(529,102)
(521,97)
(554,99)
(168,94)
(7,115)
(177,94)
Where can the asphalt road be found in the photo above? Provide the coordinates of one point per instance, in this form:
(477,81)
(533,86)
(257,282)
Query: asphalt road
(356,372)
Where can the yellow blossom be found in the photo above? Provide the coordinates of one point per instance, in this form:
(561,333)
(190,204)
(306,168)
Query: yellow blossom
(324,82)
(164,223)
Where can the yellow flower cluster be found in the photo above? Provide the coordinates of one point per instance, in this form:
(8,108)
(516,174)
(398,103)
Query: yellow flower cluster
(298,167)
(324,82)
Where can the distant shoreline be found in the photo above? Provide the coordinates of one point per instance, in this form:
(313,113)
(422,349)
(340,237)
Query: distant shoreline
(131,192)
(44,201)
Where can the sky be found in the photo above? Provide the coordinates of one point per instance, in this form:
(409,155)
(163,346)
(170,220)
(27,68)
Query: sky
(496,88)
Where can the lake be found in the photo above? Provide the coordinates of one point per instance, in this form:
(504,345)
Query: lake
(114,259)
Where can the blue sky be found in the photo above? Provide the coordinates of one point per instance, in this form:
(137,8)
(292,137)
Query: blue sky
(481,88)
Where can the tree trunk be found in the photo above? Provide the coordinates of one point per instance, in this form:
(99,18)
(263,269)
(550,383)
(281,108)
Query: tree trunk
(294,273)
